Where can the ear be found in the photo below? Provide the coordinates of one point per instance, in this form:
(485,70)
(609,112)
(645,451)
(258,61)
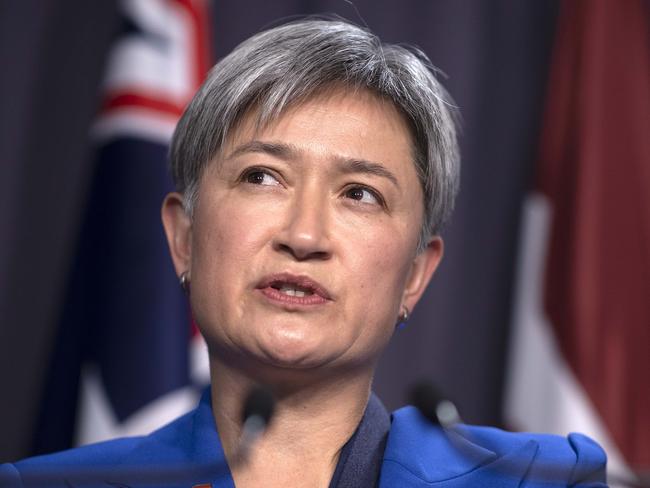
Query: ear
(178,229)
(422,269)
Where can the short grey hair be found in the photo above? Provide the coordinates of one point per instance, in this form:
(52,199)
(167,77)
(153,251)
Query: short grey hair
(286,65)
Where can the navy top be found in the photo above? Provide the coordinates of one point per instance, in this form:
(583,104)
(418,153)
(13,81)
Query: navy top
(360,460)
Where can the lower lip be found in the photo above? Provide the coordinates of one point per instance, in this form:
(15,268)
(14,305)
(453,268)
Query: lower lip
(281,298)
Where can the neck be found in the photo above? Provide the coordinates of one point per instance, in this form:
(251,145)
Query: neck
(310,425)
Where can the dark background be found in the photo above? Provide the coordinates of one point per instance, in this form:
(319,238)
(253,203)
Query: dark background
(495,56)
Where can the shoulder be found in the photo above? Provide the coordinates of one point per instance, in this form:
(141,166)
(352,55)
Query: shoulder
(419,453)
(53,468)
(163,445)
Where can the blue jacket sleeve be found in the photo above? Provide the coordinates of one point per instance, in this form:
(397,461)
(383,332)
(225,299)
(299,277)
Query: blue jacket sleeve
(420,454)
(9,477)
(591,460)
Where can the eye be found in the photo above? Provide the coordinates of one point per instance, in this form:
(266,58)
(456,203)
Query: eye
(257,176)
(363,195)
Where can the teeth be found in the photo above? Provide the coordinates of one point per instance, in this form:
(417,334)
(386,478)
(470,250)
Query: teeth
(292,291)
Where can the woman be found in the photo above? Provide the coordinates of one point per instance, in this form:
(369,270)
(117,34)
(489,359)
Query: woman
(315,168)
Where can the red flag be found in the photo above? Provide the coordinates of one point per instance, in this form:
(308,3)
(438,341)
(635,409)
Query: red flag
(594,175)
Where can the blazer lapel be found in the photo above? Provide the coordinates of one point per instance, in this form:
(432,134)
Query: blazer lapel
(420,454)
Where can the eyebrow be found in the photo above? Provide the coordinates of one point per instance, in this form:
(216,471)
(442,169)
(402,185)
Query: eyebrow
(348,166)
(277,149)
(288,152)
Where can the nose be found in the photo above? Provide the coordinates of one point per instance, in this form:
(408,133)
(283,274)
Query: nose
(305,234)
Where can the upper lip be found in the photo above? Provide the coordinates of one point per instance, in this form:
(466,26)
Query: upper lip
(303,281)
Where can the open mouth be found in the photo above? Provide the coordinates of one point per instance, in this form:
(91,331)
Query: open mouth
(292,290)
(297,289)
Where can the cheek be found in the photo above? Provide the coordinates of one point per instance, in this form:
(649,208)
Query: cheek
(227,238)
(380,250)
(229,231)
(380,275)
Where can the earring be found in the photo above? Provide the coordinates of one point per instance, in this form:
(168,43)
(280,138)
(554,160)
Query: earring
(184,281)
(403,318)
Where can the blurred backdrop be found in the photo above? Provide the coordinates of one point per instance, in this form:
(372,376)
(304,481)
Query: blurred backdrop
(539,317)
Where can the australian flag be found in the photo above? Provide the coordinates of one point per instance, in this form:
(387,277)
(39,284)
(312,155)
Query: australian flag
(127,358)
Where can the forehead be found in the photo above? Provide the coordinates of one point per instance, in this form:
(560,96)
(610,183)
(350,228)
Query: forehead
(341,122)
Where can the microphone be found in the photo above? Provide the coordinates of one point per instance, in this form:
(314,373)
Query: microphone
(257,411)
(433,405)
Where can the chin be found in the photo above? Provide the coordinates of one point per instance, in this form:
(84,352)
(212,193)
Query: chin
(288,349)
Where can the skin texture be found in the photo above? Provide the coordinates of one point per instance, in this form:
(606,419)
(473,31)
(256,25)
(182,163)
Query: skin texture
(292,197)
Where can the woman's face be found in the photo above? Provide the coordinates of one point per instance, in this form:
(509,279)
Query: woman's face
(302,246)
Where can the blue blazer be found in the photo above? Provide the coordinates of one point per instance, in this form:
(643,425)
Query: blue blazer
(188,453)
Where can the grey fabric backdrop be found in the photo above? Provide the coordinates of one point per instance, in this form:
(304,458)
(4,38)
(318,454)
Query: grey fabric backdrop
(51,58)
(495,53)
